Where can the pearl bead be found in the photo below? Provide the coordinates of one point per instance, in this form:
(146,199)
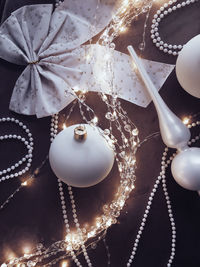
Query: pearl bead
(163,11)
(26,143)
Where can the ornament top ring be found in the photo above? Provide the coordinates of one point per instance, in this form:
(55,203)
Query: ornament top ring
(80,133)
(80,156)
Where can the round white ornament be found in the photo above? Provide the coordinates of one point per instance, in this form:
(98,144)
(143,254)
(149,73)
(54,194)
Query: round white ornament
(186,168)
(80,156)
(188,67)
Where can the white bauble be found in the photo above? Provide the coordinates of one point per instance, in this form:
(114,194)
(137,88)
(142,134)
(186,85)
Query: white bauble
(81,163)
(186,168)
(188,67)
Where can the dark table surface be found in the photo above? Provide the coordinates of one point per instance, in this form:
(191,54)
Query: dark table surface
(35,215)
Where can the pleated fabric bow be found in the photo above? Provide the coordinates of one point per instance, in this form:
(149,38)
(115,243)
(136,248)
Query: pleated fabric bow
(51,46)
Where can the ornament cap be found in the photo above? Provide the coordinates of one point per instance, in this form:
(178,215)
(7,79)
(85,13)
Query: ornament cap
(80,133)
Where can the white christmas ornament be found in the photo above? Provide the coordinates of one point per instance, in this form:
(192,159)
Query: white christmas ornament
(188,67)
(186,164)
(80,156)
(186,168)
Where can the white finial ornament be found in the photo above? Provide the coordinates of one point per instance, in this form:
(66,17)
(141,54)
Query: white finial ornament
(186,165)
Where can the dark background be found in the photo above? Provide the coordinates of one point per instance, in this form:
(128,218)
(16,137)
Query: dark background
(35,215)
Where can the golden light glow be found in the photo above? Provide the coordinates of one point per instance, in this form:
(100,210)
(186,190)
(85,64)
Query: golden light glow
(121,203)
(10,255)
(64,126)
(104,97)
(109,223)
(26,250)
(123,29)
(73,239)
(186,120)
(91,234)
(65,264)
(24,183)
(88,57)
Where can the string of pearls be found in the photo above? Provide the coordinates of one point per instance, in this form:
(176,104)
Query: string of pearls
(164,164)
(54,129)
(7,173)
(162,177)
(161,13)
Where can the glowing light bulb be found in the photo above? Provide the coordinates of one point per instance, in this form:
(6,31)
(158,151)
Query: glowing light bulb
(121,203)
(24,183)
(88,57)
(109,223)
(91,234)
(125,140)
(84,91)
(65,264)
(64,126)
(26,250)
(104,97)
(123,29)
(98,224)
(186,120)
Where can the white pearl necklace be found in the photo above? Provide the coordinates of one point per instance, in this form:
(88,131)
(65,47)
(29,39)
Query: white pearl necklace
(164,164)
(161,177)
(166,9)
(6,173)
(54,131)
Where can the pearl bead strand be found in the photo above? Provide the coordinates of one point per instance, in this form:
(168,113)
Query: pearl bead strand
(165,10)
(28,157)
(54,131)
(161,177)
(164,164)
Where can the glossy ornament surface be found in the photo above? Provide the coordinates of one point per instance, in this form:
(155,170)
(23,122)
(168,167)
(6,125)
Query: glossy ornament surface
(81,162)
(188,67)
(186,168)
